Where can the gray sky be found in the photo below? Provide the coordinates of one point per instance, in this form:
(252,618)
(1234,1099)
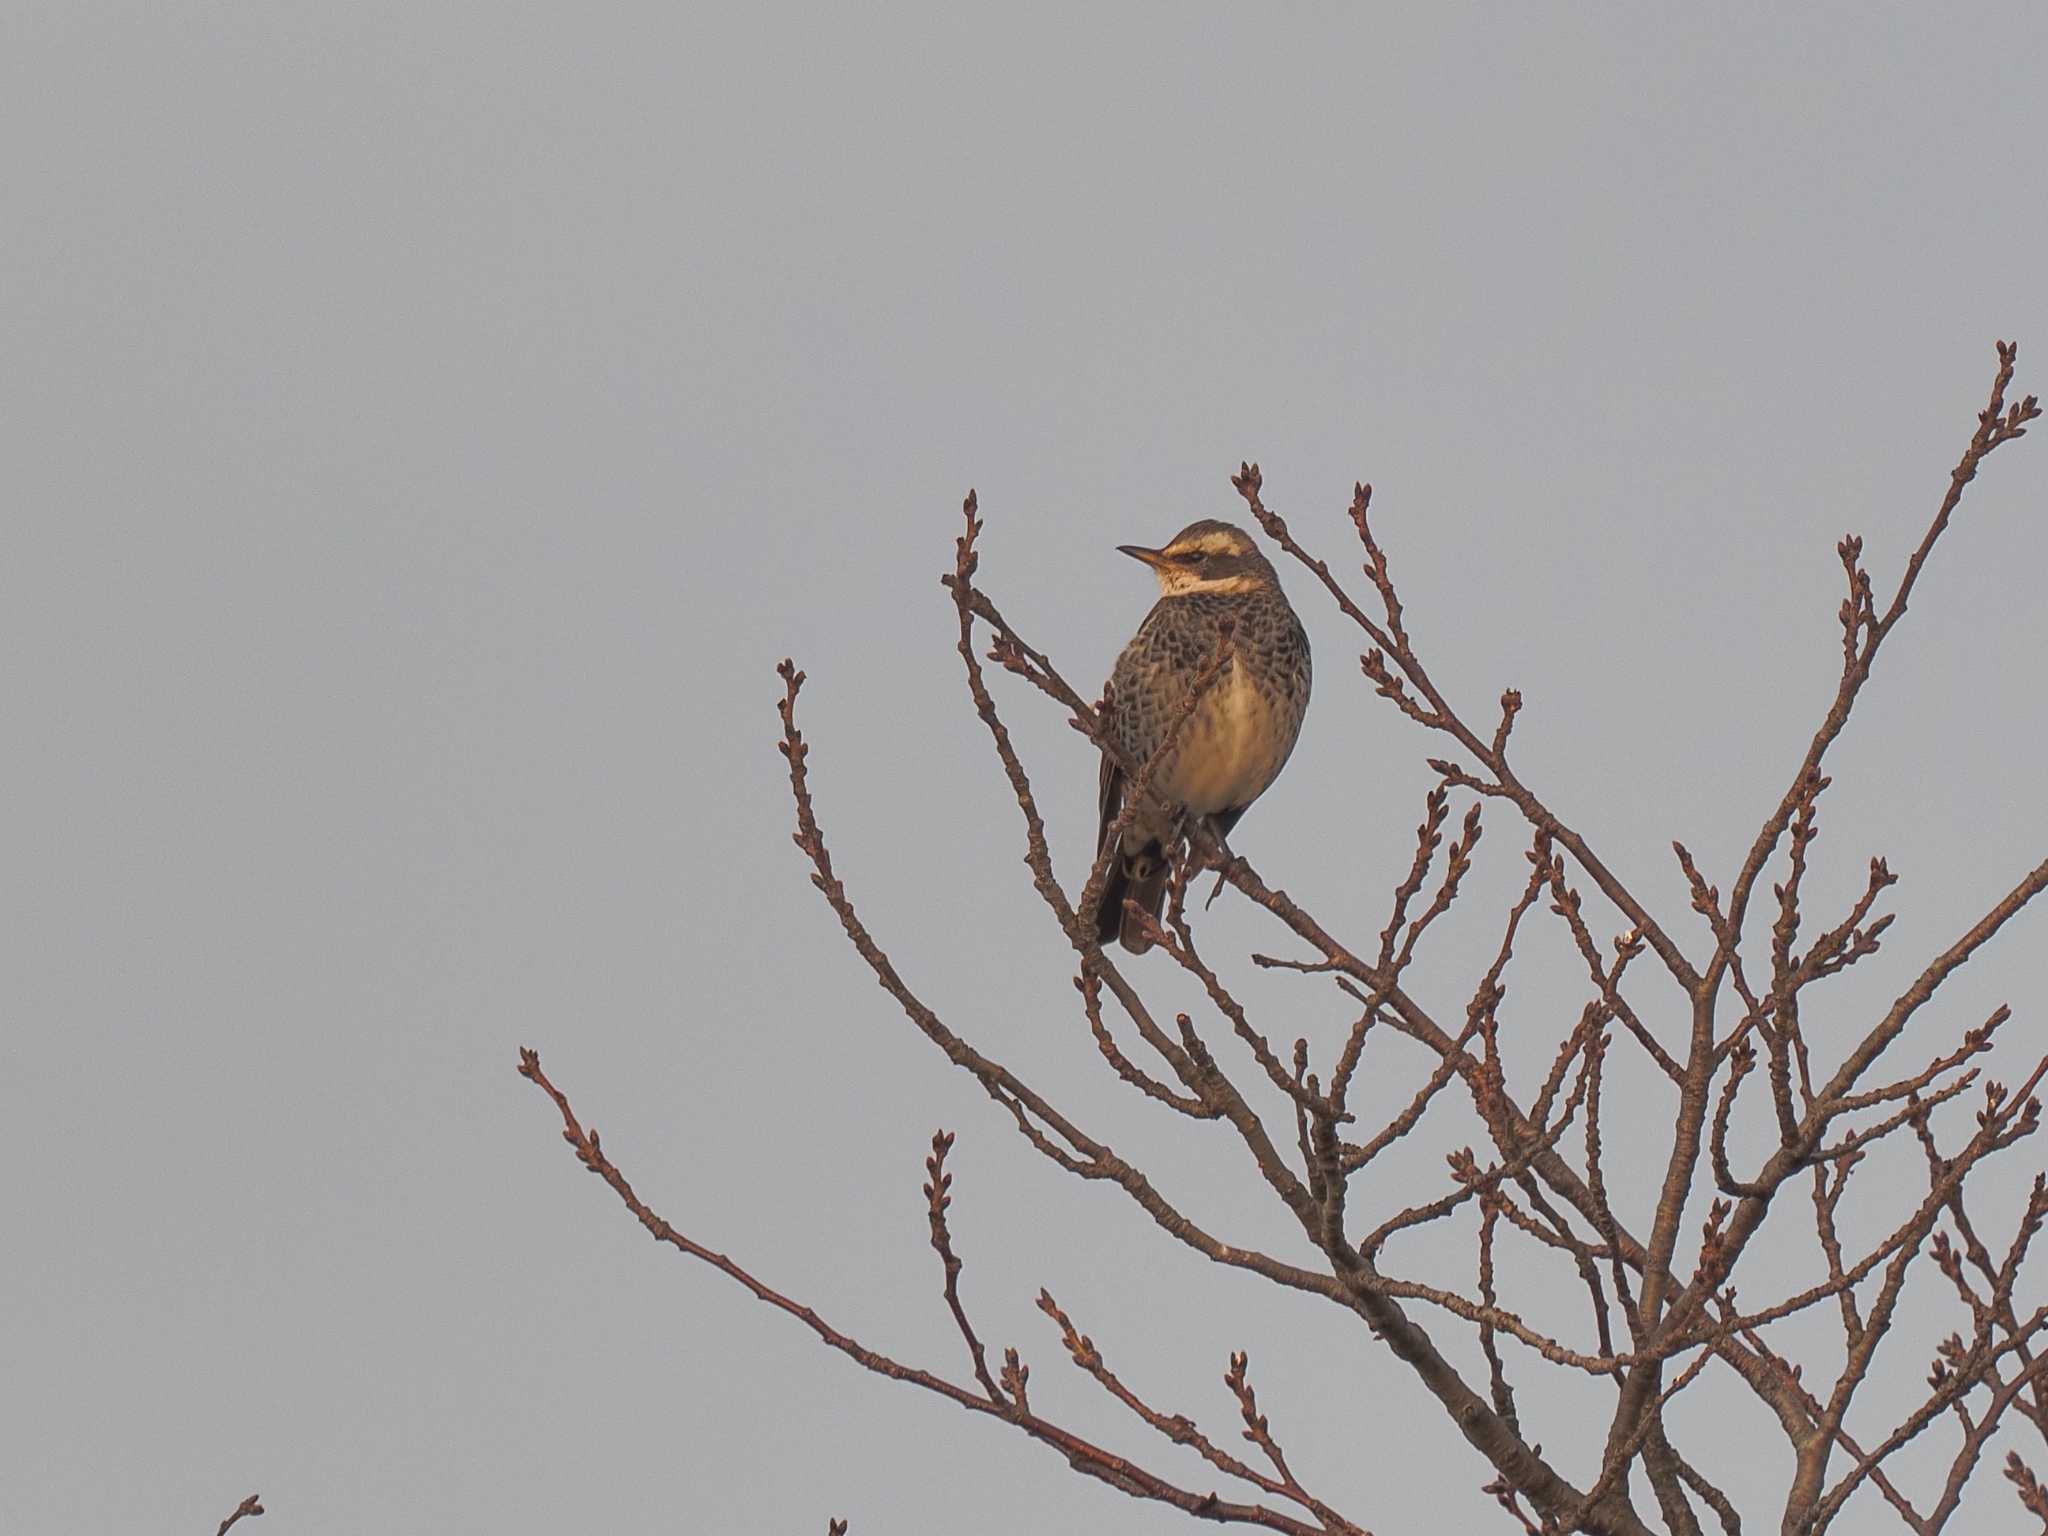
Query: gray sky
(427,424)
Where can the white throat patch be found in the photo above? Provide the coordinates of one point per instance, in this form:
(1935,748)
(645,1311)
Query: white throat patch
(1176,583)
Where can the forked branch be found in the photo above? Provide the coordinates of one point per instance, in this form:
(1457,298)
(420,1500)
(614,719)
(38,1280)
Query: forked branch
(1717,1027)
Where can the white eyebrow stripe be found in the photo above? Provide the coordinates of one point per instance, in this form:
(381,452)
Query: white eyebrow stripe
(1217,543)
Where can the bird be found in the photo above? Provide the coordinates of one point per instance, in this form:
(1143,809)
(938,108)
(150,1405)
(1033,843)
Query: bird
(1211,576)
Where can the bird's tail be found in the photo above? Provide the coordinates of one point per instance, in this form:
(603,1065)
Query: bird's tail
(1136,877)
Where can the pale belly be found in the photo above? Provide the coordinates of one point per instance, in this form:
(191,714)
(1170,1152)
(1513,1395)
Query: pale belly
(1230,751)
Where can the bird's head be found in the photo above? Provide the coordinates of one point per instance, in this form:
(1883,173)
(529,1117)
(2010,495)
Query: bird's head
(1208,556)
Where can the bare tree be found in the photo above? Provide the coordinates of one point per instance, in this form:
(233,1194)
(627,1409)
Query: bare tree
(1660,1304)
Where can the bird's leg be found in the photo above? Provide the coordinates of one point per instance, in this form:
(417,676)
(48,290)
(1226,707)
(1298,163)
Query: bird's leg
(1212,829)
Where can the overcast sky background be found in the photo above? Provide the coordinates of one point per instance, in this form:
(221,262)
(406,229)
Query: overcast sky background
(426,425)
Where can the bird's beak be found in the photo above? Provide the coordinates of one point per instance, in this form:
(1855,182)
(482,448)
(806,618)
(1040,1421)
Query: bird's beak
(1152,557)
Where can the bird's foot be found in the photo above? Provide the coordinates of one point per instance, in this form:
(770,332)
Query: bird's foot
(1219,858)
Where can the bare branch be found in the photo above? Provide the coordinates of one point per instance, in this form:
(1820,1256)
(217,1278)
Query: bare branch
(1549,1189)
(937,1194)
(1010,1405)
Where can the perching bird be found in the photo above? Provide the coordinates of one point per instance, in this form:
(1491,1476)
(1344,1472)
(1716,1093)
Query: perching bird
(1242,730)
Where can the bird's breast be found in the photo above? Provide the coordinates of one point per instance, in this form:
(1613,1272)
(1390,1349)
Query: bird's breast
(1232,747)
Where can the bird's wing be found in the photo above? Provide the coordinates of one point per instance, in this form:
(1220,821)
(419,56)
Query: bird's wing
(1111,799)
